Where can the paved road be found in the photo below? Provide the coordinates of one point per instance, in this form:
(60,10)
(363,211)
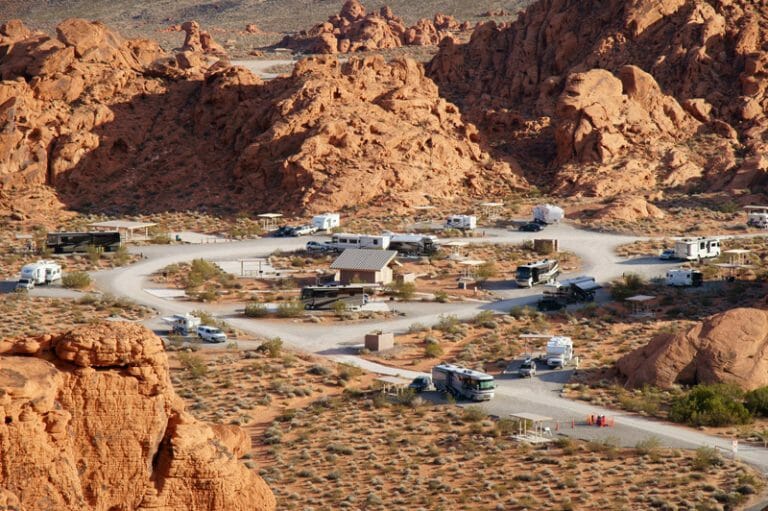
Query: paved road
(596,251)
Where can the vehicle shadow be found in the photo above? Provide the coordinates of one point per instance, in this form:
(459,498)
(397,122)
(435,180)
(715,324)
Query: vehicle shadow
(7,286)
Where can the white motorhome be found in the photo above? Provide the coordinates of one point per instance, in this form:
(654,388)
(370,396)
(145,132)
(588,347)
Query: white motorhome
(691,249)
(684,277)
(41,272)
(559,351)
(548,214)
(537,272)
(757,216)
(459,381)
(340,242)
(326,221)
(183,324)
(461,222)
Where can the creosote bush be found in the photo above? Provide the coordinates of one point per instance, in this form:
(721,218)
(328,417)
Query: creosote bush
(76,280)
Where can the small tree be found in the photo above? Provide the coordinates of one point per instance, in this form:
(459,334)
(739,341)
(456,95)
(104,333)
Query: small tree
(756,401)
(711,405)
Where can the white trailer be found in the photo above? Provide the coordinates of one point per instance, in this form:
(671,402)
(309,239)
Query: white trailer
(548,214)
(461,222)
(559,351)
(41,272)
(685,277)
(340,242)
(183,324)
(537,272)
(462,382)
(326,221)
(692,249)
(757,216)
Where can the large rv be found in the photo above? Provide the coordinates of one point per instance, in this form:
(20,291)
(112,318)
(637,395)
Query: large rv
(538,272)
(464,222)
(413,244)
(547,214)
(41,272)
(341,242)
(561,293)
(68,242)
(459,381)
(326,221)
(559,351)
(326,297)
(692,249)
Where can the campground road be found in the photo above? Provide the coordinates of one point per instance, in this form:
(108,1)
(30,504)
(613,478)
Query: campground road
(540,395)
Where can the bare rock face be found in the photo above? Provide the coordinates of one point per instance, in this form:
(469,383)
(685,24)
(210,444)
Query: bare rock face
(629,209)
(668,72)
(91,422)
(731,347)
(355,30)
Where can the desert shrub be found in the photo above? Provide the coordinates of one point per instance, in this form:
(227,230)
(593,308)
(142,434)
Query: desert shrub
(272,347)
(629,284)
(340,308)
(193,364)
(256,310)
(486,271)
(483,317)
(76,280)
(160,238)
(348,372)
(417,327)
(648,446)
(94,253)
(506,426)
(441,296)
(706,457)
(449,324)
(319,370)
(292,309)
(403,290)
(711,405)
(121,256)
(205,269)
(756,401)
(206,318)
(432,350)
(474,414)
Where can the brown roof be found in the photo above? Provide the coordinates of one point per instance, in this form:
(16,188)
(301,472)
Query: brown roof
(362,259)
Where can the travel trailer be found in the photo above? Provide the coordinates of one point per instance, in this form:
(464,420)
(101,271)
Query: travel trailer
(537,272)
(692,249)
(340,242)
(757,216)
(461,222)
(326,221)
(353,296)
(461,382)
(559,351)
(548,214)
(41,272)
(413,244)
(685,277)
(183,324)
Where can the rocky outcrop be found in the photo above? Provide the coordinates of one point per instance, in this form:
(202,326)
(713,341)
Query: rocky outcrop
(629,209)
(121,126)
(91,422)
(674,75)
(731,347)
(197,40)
(355,30)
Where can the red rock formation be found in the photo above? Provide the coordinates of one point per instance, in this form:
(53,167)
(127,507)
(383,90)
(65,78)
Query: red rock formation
(141,132)
(253,28)
(705,57)
(91,422)
(199,41)
(353,30)
(731,347)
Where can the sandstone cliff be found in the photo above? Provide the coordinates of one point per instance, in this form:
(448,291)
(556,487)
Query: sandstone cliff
(355,30)
(612,96)
(731,347)
(118,125)
(91,422)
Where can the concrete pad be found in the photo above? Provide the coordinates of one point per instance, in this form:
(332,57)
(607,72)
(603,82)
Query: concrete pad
(166,293)
(197,238)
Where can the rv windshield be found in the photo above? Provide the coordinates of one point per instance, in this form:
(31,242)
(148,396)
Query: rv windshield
(523,272)
(486,385)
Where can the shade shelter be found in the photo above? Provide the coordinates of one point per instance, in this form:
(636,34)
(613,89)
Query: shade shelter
(128,229)
(640,304)
(531,427)
(491,210)
(357,265)
(269,220)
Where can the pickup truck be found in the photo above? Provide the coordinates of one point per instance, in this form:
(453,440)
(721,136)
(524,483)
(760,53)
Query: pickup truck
(304,230)
(211,334)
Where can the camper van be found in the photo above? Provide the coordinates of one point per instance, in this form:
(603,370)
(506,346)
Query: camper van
(413,244)
(461,222)
(326,221)
(538,272)
(548,214)
(461,382)
(183,324)
(41,272)
(341,242)
(692,249)
(559,351)
(685,277)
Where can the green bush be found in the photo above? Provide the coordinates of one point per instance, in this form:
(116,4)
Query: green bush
(292,309)
(76,280)
(441,297)
(449,324)
(121,257)
(272,347)
(474,414)
(193,364)
(256,310)
(348,371)
(486,271)
(403,290)
(433,350)
(630,284)
(711,405)
(706,457)
(756,401)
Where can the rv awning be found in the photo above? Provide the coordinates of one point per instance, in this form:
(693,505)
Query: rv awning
(533,417)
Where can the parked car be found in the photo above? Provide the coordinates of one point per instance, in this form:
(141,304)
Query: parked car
(211,334)
(25,284)
(531,227)
(316,246)
(284,231)
(421,383)
(667,254)
(527,368)
(304,230)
